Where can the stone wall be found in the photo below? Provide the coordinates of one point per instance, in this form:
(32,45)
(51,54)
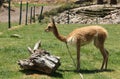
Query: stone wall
(79,18)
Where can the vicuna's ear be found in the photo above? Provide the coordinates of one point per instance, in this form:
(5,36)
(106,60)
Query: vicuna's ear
(52,20)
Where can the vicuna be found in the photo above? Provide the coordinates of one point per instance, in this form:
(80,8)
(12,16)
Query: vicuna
(83,36)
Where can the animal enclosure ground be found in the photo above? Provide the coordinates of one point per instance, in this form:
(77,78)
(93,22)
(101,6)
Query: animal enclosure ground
(13,49)
(16,13)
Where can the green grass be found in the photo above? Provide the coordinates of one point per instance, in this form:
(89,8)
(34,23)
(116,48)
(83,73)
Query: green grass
(60,9)
(29,4)
(4,26)
(14,49)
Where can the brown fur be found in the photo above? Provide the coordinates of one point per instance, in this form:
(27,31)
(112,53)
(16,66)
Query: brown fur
(82,36)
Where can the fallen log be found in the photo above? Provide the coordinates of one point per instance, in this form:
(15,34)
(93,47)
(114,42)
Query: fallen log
(40,60)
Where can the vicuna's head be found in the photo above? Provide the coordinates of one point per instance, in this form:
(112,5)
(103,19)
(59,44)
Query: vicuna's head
(51,26)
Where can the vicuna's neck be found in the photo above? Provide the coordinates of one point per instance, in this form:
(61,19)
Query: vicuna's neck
(58,36)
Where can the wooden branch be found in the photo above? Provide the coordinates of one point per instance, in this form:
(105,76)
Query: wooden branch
(51,58)
(37,45)
(30,50)
(43,62)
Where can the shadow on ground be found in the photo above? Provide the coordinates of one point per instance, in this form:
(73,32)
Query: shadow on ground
(58,73)
(87,71)
(31,72)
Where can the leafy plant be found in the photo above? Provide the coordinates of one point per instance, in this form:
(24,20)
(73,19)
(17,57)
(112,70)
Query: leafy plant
(60,9)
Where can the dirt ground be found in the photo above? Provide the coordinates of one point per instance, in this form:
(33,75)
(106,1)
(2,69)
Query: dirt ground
(15,13)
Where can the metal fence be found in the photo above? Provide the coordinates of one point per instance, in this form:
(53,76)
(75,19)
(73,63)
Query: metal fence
(31,15)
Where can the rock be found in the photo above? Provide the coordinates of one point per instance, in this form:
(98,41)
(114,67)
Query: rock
(76,17)
(16,36)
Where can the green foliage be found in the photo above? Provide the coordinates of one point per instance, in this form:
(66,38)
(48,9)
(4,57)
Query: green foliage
(60,9)
(13,49)
(29,4)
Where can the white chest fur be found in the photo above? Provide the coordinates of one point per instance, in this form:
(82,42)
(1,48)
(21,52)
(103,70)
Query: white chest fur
(72,40)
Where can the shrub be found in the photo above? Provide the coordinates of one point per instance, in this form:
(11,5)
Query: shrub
(60,9)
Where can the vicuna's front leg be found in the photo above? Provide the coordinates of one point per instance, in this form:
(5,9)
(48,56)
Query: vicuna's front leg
(78,55)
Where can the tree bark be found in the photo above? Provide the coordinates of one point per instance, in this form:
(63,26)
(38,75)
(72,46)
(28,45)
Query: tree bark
(40,60)
(100,1)
(113,2)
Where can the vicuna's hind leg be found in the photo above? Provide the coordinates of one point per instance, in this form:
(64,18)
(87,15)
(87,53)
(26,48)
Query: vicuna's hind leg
(107,58)
(99,43)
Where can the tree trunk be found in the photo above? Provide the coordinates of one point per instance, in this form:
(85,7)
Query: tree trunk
(100,1)
(40,60)
(113,1)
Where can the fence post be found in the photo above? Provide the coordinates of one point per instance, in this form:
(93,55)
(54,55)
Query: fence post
(26,13)
(40,17)
(31,15)
(34,14)
(20,19)
(68,18)
(9,17)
